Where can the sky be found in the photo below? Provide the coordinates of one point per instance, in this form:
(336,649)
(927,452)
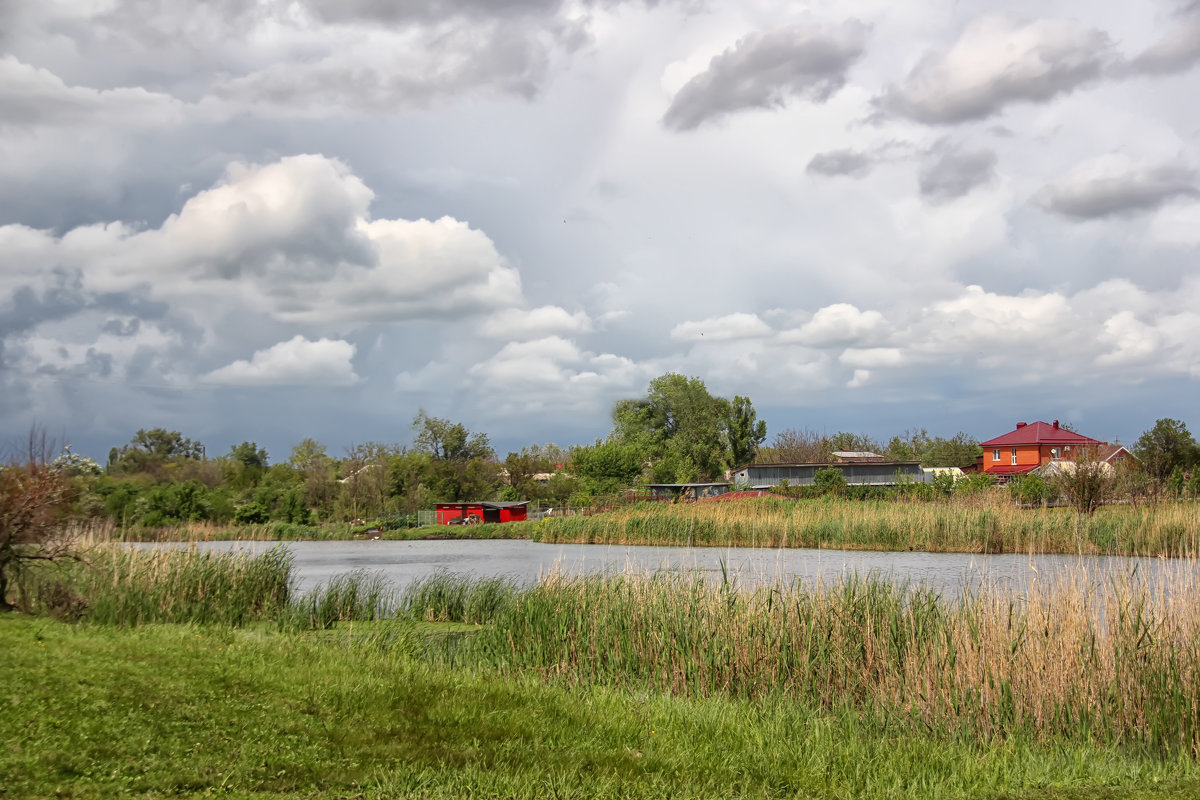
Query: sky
(266,221)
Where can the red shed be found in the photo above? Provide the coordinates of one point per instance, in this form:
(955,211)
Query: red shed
(475,512)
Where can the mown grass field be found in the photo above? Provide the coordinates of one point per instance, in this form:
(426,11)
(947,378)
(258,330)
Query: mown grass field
(627,686)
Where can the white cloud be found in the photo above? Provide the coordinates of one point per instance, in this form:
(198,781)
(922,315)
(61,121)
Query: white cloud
(293,239)
(716,329)
(872,357)
(296,362)
(838,325)
(536,323)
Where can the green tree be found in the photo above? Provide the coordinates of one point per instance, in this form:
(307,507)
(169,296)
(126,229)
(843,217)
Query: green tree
(449,441)
(745,431)
(960,450)
(1169,444)
(244,465)
(462,464)
(606,467)
(317,471)
(150,451)
(678,422)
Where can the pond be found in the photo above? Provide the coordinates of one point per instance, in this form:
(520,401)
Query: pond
(402,562)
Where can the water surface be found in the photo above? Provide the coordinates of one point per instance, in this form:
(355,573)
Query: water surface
(402,562)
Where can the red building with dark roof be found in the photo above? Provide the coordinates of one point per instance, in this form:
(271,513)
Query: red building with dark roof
(1030,446)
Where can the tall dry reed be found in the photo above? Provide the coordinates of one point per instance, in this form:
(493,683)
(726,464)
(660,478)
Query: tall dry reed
(988,524)
(1113,661)
(127,586)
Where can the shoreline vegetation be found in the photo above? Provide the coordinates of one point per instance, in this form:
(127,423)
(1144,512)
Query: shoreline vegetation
(982,523)
(632,685)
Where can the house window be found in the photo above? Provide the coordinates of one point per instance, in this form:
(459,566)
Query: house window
(1014,456)
(1055,454)
(996,455)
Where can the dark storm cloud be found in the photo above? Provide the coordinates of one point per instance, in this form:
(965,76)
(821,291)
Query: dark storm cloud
(851,163)
(1117,187)
(766,69)
(950,171)
(29,306)
(997,62)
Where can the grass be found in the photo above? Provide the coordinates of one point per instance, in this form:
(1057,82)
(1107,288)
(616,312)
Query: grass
(980,524)
(634,685)
(201,710)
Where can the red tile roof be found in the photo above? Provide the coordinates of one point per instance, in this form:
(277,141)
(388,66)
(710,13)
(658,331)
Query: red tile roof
(1040,433)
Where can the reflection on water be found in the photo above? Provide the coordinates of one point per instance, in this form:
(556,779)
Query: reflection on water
(525,561)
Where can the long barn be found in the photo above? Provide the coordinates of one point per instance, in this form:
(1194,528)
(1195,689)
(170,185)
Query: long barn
(858,473)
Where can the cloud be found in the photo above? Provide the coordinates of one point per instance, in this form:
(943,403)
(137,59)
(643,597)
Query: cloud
(765,70)
(839,324)
(292,239)
(35,96)
(995,62)
(950,171)
(852,163)
(715,329)
(554,375)
(1116,184)
(537,323)
(1176,51)
(296,362)
(872,357)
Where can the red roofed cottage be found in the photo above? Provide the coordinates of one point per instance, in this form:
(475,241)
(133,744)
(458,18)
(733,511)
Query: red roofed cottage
(1030,446)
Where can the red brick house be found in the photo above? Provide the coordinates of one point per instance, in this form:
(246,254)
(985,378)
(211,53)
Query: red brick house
(1032,445)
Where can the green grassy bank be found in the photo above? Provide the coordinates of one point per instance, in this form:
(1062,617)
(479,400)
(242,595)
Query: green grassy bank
(983,524)
(166,710)
(626,686)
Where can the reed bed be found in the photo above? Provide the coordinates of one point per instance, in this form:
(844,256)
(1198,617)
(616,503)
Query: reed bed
(358,596)
(453,597)
(125,586)
(989,524)
(1111,662)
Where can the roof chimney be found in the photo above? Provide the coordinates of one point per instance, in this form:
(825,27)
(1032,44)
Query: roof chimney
(1020,425)
(1055,424)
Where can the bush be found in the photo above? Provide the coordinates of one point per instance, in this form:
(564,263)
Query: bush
(829,481)
(251,514)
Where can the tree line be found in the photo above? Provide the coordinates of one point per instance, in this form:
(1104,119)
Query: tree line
(678,432)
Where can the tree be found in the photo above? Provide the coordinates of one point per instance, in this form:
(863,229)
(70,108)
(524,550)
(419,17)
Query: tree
(744,430)
(1085,482)
(607,466)
(462,464)
(960,450)
(35,500)
(449,441)
(678,423)
(805,446)
(244,465)
(151,450)
(1164,447)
